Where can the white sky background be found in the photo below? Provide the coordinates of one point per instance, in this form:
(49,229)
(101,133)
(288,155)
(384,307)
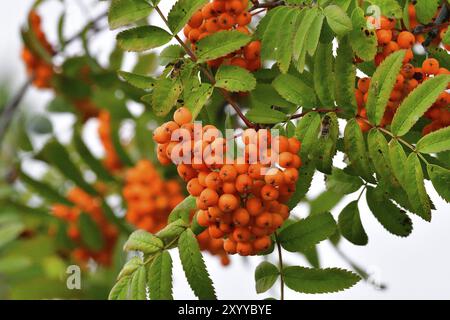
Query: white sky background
(417,267)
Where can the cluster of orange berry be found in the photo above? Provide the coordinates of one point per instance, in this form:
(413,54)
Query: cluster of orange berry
(391,39)
(84,203)
(150,199)
(37,67)
(241,200)
(407,80)
(225,15)
(111,160)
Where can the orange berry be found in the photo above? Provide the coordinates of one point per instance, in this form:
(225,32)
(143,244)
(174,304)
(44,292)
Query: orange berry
(182,116)
(431,66)
(264,220)
(212,25)
(213,181)
(194,187)
(406,40)
(244,183)
(226,21)
(161,136)
(262,243)
(209,197)
(228,173)
(384,36)
(243,19)
(364,84)
(241,217)
(252,51)
(254,206)
(274,177)
(229,246)
(269,193)
(202,218)
(294,145)
(219,6)
(235,7)
(229,187)
(208,11)
(391,47)
(228,202)
(286,159)
(238,62)
(194,35)
(290,175)
(215,232)
(244,248)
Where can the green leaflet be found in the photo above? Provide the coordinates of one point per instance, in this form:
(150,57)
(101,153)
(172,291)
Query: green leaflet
(323,73)
(270,40)
(440,177)
(435,142)
(324,202)
(350,225)
(235,79)
(197,96)
(171,54)
(55,153)
(294,90)
(355,149)
(124,12)
(45,190)
(312,280)
(307,132)
(181,12)
(301,37)
(138,285)
(143,241)
(194,267)
(308,232)
(220,44)
(338,20)
(265,115)
(341,182)
(172,231)
(397,158)
(265,95)
(160,277)
(285,40)
(90,232)
(391,217)
(143,38)
(164,96)
(415,188)
(362,40)
(388,8)
(304,182)
(326,144)
(381,86)
(417,103)
(379,154)
(93,163)
(312,40)
(426,9)
(120,289)
(265,276)
(183,210)
(130,267)
(345,74)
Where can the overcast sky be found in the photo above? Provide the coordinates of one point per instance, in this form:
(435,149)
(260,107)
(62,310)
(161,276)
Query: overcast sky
(417,267)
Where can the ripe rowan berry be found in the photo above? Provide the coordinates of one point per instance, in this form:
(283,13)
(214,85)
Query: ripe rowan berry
(406,40)
(243,19)
(182,116)
(241,217)
(262,243)
(244,183)
(431,66)
(252,51)
(226,21)
(269,193)
(244,248)
(228,202)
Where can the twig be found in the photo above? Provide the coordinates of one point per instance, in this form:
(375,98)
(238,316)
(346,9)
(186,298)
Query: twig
(300,115)
(11,107)
(280,261)
(266,5)
(208,74)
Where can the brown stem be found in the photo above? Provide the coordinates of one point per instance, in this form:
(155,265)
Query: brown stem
(209,75)
(300,115)
(280,261)
(267,5)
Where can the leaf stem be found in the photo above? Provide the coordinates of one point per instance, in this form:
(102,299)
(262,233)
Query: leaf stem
(280,261)
(208,74)
(300,115)
(267,5)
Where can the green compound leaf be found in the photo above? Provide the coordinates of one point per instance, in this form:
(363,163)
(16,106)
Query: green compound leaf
(350,225)
(125,12)
(308,232)
(435,142)
(417,103)
(312,280)
(143,38)
(120,289)
(143,241)
(381,86)
(160,277)
(130,267)
(266,274)
(391,217)
(235,79)
(440,177)
(194,267)
(181,12)
(355,149)
(220,44)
